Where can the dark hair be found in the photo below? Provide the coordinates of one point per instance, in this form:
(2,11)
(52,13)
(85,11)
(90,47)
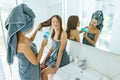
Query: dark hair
(98,15)
(72,24)
(48,23)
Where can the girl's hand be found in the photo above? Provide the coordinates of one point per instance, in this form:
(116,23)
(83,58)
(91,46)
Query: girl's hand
(85,35)
(42,65)
(52,70)
(44,43)
(39,27)
(55,70)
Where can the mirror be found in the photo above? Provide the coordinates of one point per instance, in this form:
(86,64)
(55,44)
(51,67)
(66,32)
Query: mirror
(108,39)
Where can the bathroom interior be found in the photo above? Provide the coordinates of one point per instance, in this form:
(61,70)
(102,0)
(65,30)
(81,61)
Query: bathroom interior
(87,63)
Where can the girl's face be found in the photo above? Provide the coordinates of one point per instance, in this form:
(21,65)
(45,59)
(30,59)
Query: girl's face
(93,22)
(55,23)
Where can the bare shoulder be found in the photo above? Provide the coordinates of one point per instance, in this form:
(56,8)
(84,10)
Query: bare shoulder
(74,31)
(97,31)
(63,35)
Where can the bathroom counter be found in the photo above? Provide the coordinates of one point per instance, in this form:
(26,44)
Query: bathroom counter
(73,72)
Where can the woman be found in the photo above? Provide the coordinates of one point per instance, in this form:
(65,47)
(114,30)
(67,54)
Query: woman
(18,24)
(94,29)
(57,55)
(72,32)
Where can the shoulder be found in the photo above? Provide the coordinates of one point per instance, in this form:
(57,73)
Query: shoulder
(63,35)
(97,31)
(74,31)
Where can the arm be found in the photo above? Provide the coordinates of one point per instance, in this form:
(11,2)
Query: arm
(77,36)
(62,47)
(26,50)
(49,53)
(34,34)
(93,42)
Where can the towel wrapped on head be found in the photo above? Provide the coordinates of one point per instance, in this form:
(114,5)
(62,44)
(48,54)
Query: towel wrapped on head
(98,15)
(21,19)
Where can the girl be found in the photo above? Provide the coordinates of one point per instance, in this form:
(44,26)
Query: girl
(57,55)
(91,36)
(72,32)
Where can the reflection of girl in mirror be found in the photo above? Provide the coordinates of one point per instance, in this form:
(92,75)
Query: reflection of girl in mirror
(93,30)
(57,55)
(72,32)
(19,23)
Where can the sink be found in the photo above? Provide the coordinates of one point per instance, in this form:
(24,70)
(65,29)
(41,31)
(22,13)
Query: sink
(73,72)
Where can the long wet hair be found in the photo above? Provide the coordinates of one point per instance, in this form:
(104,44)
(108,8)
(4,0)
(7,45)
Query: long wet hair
(49,23)
(71,24)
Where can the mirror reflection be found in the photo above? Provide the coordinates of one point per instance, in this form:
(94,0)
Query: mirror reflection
(92,31)
(85,9)
(72,32)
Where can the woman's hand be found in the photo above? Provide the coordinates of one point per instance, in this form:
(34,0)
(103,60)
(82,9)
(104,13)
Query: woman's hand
(54,70)
(39,27)
(44,43)
(85,35)
(42,65)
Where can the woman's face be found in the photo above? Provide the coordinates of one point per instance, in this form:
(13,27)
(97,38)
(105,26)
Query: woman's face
(93,22)
(55,23)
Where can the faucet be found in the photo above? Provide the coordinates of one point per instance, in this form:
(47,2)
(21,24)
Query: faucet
(83,65)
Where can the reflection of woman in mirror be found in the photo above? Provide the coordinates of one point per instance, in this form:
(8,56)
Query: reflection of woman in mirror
(72,32)
(57,55)
(19,23)
(93,30)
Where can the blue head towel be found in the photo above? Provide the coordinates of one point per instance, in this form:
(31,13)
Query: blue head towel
(98,15)
(20,19)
